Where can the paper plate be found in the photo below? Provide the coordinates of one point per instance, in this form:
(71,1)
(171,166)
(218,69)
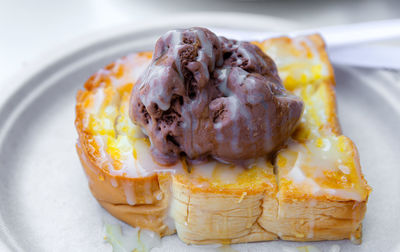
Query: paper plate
(45,203)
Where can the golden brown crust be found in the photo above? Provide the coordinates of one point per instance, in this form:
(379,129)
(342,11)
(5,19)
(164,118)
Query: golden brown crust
(328,95)
(148,212)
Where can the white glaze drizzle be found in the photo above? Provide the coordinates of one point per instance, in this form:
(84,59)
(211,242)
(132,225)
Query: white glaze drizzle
(324,158)
(129,191)
(159,95)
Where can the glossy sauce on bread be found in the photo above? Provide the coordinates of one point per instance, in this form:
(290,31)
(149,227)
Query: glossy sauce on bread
(315,180)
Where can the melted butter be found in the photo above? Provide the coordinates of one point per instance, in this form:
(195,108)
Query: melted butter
(217,174)
(216,171)
(121,146)
(122,149)
(204,170)
(131,165)
(298,60)
(227,173)
(318,118)
(97,98)
(324,166)
(134,65)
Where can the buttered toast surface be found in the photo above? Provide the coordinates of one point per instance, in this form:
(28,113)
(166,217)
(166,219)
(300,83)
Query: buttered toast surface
(312,190)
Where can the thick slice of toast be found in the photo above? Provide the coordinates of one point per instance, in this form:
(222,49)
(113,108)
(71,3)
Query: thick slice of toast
(312,190)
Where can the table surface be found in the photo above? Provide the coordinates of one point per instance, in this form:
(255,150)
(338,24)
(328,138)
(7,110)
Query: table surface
(31,28)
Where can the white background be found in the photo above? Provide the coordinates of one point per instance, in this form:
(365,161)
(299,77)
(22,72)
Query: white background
(29,28)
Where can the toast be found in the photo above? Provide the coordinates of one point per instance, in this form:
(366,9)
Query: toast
(312,190)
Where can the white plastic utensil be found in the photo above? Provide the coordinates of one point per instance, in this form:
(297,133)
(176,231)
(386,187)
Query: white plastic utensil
(335,36)
(346,43)
(360,33)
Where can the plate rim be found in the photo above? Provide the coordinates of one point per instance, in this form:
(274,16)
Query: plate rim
(17,81)
(233,20)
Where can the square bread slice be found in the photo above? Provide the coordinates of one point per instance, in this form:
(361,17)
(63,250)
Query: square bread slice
(312,190)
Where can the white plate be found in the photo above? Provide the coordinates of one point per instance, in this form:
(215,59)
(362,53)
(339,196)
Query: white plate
(45,204)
